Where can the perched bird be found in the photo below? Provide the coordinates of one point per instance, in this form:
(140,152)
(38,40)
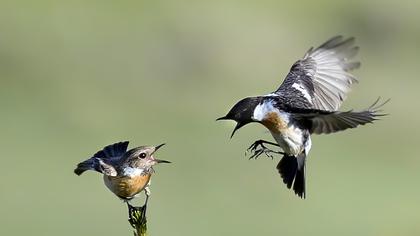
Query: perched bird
(306,103)
(125,173)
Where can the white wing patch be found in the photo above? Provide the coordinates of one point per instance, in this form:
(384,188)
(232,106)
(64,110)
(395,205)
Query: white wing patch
(301,89)
(106,169)
(327,68)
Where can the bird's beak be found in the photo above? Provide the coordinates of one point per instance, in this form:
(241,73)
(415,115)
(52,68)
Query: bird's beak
(238,126)
(162,161)
(158,146)
(158,160)
(222,118)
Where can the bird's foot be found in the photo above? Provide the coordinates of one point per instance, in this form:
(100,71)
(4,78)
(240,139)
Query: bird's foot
(258,148)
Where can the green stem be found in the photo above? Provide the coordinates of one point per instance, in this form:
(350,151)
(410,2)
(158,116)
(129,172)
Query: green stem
(137,219)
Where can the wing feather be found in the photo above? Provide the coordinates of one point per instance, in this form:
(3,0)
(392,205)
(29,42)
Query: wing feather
(322,122)
(113,150)
(324,74)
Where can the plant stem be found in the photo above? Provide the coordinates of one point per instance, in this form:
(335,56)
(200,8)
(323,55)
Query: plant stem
(137,219)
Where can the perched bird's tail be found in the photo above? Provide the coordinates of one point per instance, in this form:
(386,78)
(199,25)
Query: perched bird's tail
(292,170)
(89,164)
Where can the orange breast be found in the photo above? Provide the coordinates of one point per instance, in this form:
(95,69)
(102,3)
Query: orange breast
(125,186)
(274,122)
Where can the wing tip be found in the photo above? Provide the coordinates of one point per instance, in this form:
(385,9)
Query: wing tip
(376,105)
(337,41)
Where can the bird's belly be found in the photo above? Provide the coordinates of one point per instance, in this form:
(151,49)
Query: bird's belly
(126,186)
(288,136)
(290,140)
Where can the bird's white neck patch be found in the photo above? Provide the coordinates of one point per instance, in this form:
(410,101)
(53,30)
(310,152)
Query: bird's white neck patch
(262,109)
(130,171)
(302,90)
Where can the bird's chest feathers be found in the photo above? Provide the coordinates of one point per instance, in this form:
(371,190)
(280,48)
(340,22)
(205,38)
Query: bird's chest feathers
(127,186)
(274,122)
(287,135)
(132,172)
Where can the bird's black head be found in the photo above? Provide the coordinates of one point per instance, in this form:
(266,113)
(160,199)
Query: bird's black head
(242,112)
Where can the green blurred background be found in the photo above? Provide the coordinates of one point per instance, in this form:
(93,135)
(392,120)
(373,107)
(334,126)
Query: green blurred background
(78,75)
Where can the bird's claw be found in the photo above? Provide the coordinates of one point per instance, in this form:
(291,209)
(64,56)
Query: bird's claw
(258,148)
(254,146)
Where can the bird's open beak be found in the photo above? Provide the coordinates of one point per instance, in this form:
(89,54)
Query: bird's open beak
(158,146)
(158,160)
(238,126)
(162,161)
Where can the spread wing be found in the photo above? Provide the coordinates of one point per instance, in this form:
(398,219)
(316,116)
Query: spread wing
(321,80)
(323,122)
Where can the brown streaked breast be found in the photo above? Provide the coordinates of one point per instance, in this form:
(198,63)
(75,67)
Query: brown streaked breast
(274,122)
(126,186)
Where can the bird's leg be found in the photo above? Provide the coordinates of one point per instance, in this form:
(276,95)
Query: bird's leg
(131,209)
(147,192)
(258,148)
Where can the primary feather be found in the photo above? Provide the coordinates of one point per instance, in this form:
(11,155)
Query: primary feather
(321,80)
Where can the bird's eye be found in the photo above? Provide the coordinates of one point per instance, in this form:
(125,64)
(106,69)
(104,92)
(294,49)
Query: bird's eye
(142,155)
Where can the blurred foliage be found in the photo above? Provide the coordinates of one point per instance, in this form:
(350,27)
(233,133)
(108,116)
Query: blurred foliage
(78,75)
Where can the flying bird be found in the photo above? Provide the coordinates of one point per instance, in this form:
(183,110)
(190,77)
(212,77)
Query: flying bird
(125,173)
(306,103)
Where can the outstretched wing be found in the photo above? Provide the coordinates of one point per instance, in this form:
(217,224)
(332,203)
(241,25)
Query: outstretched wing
(329,122)
(321,80)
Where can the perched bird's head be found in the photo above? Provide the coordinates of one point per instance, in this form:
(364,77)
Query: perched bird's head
(242,112)
(142,157)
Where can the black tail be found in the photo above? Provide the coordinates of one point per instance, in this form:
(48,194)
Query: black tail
(89,164)
(293,168)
